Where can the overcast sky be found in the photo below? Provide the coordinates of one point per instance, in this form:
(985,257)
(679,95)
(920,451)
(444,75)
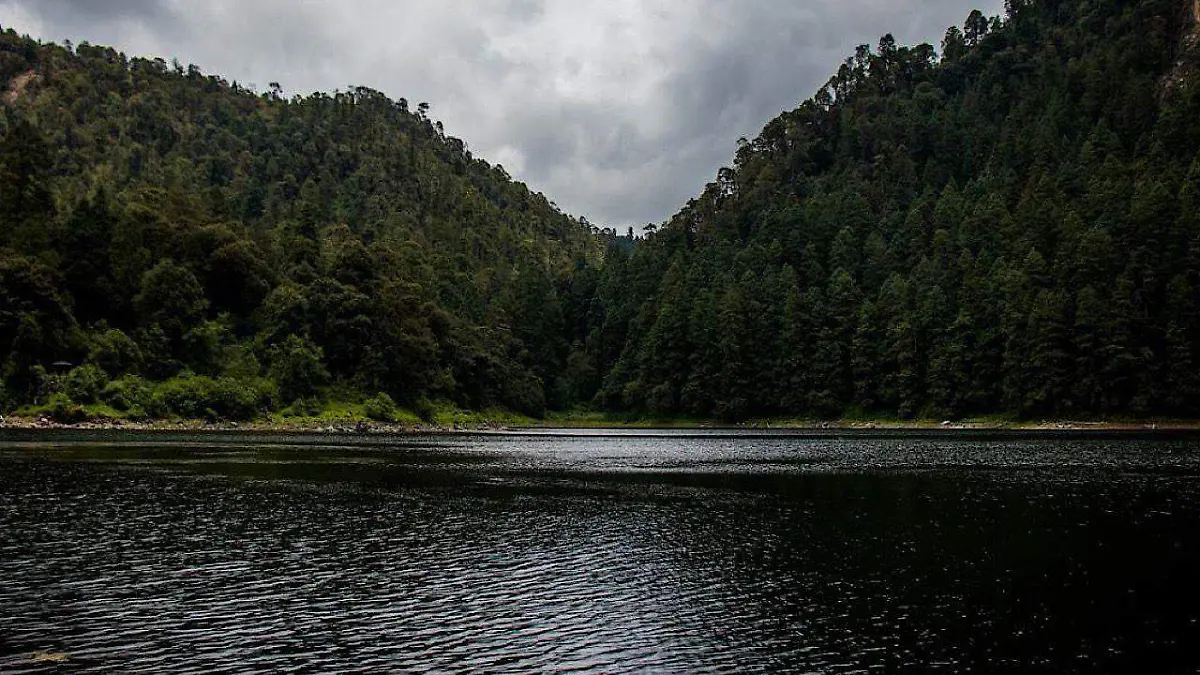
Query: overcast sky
(619,110)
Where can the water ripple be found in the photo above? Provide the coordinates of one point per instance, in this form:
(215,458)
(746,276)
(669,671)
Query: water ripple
(601,555)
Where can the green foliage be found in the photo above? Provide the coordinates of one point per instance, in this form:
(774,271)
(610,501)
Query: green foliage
(296,366)
(304,407)
(26,202)
(240,362)
(84,384)
(44,384)
(128,393)
(60,408)
(221,398)
(177,214)
(1011,228)
(114,352)
(36,325)
(380,408)
(172,299)
(452,417)
(424,409)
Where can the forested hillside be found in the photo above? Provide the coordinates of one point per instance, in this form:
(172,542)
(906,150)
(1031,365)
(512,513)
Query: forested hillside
(1012,226)
(157,224)
(1009,223)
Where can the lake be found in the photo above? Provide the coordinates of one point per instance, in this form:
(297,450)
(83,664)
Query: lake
(600,552)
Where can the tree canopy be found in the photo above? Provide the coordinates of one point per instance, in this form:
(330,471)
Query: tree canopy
(1009,227)
(1008,222)
(326,239)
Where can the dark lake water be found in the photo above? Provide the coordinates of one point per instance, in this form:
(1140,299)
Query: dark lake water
(682,553)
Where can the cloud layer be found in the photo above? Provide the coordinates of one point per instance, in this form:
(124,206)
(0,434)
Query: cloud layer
(619,110)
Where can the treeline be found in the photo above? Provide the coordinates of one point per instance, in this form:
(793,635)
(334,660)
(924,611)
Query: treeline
(158,224)
(1013,227)
(1009,223)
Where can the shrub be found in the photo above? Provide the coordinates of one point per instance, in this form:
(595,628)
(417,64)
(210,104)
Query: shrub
(128,393)
(381,408)
(45,384)
(523,392)
(425,409)
(239,399)
(304,407)
(63,410)
(138,414)
(7,401)
(240,362)
(186,396)
(156,408)
(84,384)
(204,346)
(223,398)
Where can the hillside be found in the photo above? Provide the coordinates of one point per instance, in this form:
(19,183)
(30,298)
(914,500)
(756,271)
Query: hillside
(1007,224)
(159,223)
(1012,227)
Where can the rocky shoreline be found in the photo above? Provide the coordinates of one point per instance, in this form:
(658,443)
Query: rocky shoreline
(373,427)
(349,427)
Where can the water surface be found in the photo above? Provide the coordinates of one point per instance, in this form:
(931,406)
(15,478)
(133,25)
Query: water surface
(676,552)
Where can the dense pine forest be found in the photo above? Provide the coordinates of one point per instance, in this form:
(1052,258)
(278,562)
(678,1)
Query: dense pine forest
(160,225)
(1005,224)
(1013,226)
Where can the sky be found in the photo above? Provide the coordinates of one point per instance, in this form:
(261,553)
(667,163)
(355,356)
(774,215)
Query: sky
(618,110)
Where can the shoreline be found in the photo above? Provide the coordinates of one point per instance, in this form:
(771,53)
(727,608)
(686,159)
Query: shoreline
(367,427)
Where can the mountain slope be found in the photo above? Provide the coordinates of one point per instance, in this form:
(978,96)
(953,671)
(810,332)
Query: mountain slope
(1011,227)
(157,221)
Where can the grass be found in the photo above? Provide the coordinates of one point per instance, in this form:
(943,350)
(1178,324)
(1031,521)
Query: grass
(91,411)
(334,413)
(450,416)
(442,414)
(590,419)
(851,420)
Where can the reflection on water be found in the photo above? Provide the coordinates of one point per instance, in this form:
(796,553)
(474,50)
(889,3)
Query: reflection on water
(676,553)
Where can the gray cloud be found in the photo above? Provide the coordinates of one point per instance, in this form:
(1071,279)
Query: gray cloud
(82,13)
(619,110)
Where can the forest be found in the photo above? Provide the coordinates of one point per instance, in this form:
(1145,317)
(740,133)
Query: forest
(1005,224)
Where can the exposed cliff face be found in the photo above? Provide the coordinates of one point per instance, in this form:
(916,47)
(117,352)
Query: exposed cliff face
(1193,32)
(1188,58)
(18,86)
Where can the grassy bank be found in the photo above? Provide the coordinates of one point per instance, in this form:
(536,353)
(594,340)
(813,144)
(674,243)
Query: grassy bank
(331,415)
(211,406)
(599,420)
